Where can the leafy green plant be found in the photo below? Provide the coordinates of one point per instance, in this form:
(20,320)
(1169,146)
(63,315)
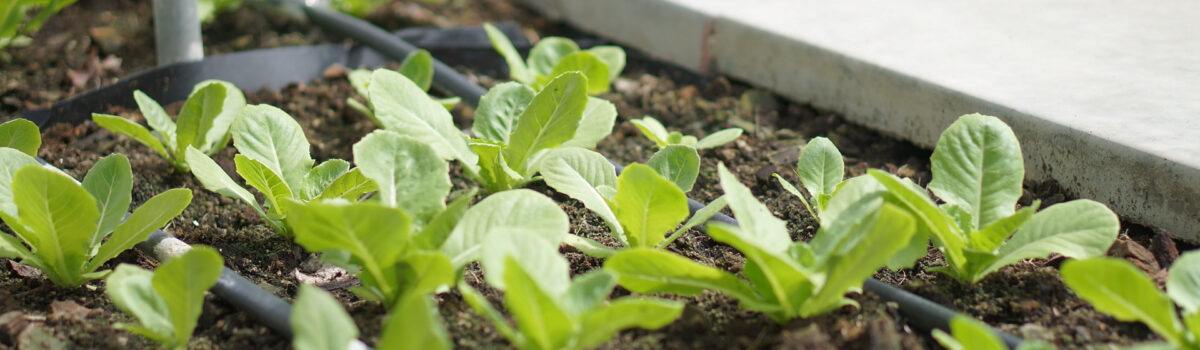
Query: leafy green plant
(516,210)
(977,173)
(551,310)
(273,158)
(1116,287)
(640,205)
(203,124)
(821,169)
(16,24)
(63,224)
(320,323)
(968,333)
(168,301)
(552,56)
(417,67)
(656,132)
(21,135)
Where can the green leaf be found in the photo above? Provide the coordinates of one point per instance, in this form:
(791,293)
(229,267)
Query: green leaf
(596,124)
(360,79)
(679,164)
(587,291)
(719,138)
(991,237)
(271,137)
(61,216)
(1117,288)
(181,282)
(516,66)
(265,180)
(11,247)
(132,130)
(373,234)
(404,107)
(969,334)
(589,246)
(130,289)
(520,210)
(499,109)
(547,53)
(484,308)
(11,160)
(820,167)
(1077,229)
(600,325)
(321,177)
(653,130)
(777,278)
(349,186)
(929,218)
(152,215)
(612,56)
(319,322)
(647,205)
(214,178)
(855,260)
(435,232)
(537,256)
(644,270)
(494,173)
(977,165)
(418,67)
(22,135)
(408,172)
(156,116)
(218,135)
(758,226)
(595,70)
(109,181)
(578,173)
(1183,282)
(198,116)
(841,223)
(538,315)
(551,119)
(699,217)
(424,273)
(414,324)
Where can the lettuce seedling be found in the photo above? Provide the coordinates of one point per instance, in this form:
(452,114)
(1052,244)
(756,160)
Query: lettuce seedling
(167,302)
(657,133)
(553,56)
(409,173)
(977,173)
(320,323)
(417,67)
(640,206)
(821,169)
(273,158)
(517,210)
(63,224)
(783,279)
(551,310)
(1116,287)
(968,333)
(203,123)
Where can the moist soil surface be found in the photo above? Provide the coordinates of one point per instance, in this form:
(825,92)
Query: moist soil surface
(1027,299)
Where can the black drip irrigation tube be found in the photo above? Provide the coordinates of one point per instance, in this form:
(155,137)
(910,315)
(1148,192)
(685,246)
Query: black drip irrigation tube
(261,68)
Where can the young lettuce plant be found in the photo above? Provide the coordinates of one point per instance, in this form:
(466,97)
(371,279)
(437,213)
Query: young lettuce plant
(977,173)
(520,210)
(553,56)
(640,206)
(320,323)
(657,133)
(203,123)
(273,158)
(821,169)
(551,310)
(417,67)
(968,333)
(783,279)
(168,301)
(1116,287)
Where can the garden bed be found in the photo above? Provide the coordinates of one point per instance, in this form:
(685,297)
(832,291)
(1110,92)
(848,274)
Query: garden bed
(1027,299)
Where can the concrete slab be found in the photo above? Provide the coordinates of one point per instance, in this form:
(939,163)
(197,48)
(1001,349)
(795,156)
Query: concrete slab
(1105,96)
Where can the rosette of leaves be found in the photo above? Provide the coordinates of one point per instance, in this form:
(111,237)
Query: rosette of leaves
(553,56)
(657,133)
(203,123)
(167,302)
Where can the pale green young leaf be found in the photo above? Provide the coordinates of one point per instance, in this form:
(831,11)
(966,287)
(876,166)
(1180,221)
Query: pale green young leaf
(150,216)
(22,135)
(699,217)
(372,233)
(424,273)
(653,130)
(62,217)
(415,324)
(418,67)
(11,160)
(266,181)
(271,137)
(499,109)
(601,324)
(449,102)
(587,291)
(520,210)
(198,116)
(11,247)
(547,53)
(360,79)
(577,173)
(820,167)
(991,237)
(537,256)
(349,186)
(483,307)
(538,314)
(408,172)
(647,205)
(406,108)
(494,173)
(214,178)
(595,70)
(612,56)
(858,259)
(719,138)
(319,322)
(156,116)
(589,246)
(778,278)
(928,216)
(321,177)
(551,119)
(435,232)
(130,289)
(977,165)
(969,334)
(181,282)
(679,164)
(132,130)
(1183,283)
(1077,229)
(645,270)
(1115,287)
(109,181)
(217,135)
(856,201)
(597,123)
(516,66)
(758,226)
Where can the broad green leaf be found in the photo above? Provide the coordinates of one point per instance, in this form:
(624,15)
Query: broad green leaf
(349,186)
(587,291)
(857,201)
(406,108)
(150,216)
(424,273)
(1183,283)
(319,322)
(156,116)
(679,164)
(520,210)
(778,278)
(578,173)
(719,138)
(499,109)
(537,313)
(551,119)
(435,232)
(214,178)
(408,172)
(132,130)
(11,160)
(415,324)
(484,308)
(198,116)
(1115,287)
(22,135)
(62,217)
(645,271)
(516,66)
(595,70)
(537,256)
(360,79)
(12,248)
(991,237)
(494,173)
(265,180)
(596,124)
(647,205)
(182,281)
(589,246)
(130,289)
(653,130)
(928,216)
(1077,229)
(321,177)
(820,167)
(858,259)
(109,181)
(217,136)
(418,67)
(600,325)
(270,136)
(612,56)
(977,165)
(547,53)
(372,233)
(699,217)
(969,334)
(758,226)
